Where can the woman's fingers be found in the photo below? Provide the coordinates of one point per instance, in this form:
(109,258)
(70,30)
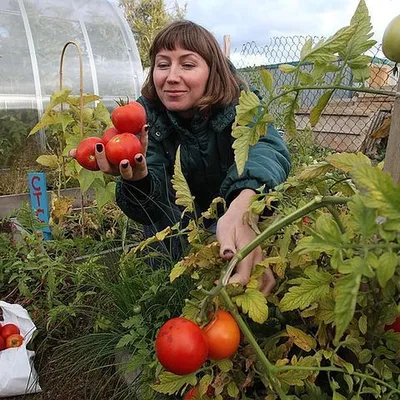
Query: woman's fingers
(144,138)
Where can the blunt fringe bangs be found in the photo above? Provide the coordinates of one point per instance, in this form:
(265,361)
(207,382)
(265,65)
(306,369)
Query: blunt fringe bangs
(223,85)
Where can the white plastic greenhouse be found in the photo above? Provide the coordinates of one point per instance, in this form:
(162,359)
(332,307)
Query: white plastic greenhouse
(32,36)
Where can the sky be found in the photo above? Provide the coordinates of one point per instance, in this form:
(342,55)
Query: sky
(262,20)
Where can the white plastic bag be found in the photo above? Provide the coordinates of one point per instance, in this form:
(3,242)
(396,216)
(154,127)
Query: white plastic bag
(17,373)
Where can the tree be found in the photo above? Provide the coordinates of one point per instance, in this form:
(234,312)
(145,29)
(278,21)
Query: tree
(146,18)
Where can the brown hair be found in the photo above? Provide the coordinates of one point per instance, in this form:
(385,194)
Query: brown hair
(223,86)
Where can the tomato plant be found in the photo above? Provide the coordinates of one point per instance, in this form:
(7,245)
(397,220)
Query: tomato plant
(181,346)
(194,391)
(14,340)
(129,118)
(223,336)
(9,329)
(123,146)
(109,133)
(395,326)
(2,343)
(85,153)
(391,40)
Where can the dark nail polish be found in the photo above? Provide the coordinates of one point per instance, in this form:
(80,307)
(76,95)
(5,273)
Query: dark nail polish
(125,165)
(227,251)
(139,159)
(99,147)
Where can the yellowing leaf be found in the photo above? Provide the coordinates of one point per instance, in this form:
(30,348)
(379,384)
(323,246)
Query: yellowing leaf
(267,79)
(253,303)
(301,339)
(248,107)
(348,161)
(386,268)
(244,139)
(178,270)
(51,161)
(170,383)
(314,171)
(183,195)
(317,110)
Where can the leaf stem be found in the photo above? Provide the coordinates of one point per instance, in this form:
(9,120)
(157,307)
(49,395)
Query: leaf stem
(318,202)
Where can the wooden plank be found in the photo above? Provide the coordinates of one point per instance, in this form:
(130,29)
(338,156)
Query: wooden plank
(227,45)
(392,158)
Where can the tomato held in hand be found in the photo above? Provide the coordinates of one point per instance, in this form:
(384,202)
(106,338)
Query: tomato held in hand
(2,343)
(395,326)
(123,146)
(223,336)
(181,346)
(14,340)
(129,118)
(85,153)
(9,329)
(108,134)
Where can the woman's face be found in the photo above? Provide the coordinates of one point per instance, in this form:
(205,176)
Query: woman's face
(180,77)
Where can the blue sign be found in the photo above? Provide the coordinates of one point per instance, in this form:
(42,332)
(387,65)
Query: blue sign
(39,200)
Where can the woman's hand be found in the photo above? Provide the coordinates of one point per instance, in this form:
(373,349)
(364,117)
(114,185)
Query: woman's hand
(233,233)
(125,169)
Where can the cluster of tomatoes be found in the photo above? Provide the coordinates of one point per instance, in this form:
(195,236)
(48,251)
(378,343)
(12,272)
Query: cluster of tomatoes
(10,336)
(120,141)
(182,346)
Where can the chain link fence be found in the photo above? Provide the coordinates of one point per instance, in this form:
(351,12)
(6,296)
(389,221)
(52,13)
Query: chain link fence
(352,121)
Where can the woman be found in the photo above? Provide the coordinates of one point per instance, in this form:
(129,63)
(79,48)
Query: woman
(190,97)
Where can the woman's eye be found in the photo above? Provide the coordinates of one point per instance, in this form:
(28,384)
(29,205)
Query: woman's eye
(188,66)
(162,65)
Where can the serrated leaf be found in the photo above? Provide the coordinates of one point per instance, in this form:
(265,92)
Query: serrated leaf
(253,303)
(287,68)
(346,292)
(387,266)
(86,179)
(245,137)
(183,196)
(317,110)
(348,161)
(313,288)
(51,161)
(178,270)
(45,121)
(248,107)
(204,383)
(306,48)
(361,219)
(314,171)
(233,390)
(170,383)
(267,80)
(224,365)
(301,339)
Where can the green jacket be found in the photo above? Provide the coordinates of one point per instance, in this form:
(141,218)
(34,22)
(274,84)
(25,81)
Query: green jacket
(207,162)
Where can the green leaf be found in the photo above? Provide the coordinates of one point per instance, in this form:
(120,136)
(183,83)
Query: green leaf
(287,68)
(363,324)
(204,383)
(317,110)
(233,390)
(267,80)
(64,120)
(86,179)
(51,161)
(338,396)
(305,78)
(178,270)
(245,137)
(104,194)
(379,190)
(314,288)
(361,218)
(346,292)
(387,266)
(253,303)
(348,161)
(224,365)
(45,121)
(248,108)
(361,74)
(170,383)
(306,48)
(179,183)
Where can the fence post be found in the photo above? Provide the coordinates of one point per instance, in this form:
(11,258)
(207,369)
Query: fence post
(227,45)
(392,158)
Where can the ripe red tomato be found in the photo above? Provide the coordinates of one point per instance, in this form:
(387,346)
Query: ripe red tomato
(14,340)
(129,118)
(85,153)
(395,326)
(9,329)
(123,146)
(109,133)
(2,343)
(223,336)
(194,391)
(181,346)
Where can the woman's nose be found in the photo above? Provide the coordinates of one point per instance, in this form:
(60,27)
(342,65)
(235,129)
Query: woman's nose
(173,75)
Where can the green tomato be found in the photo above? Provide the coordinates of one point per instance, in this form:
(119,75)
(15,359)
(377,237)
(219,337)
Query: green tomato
(391,40)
